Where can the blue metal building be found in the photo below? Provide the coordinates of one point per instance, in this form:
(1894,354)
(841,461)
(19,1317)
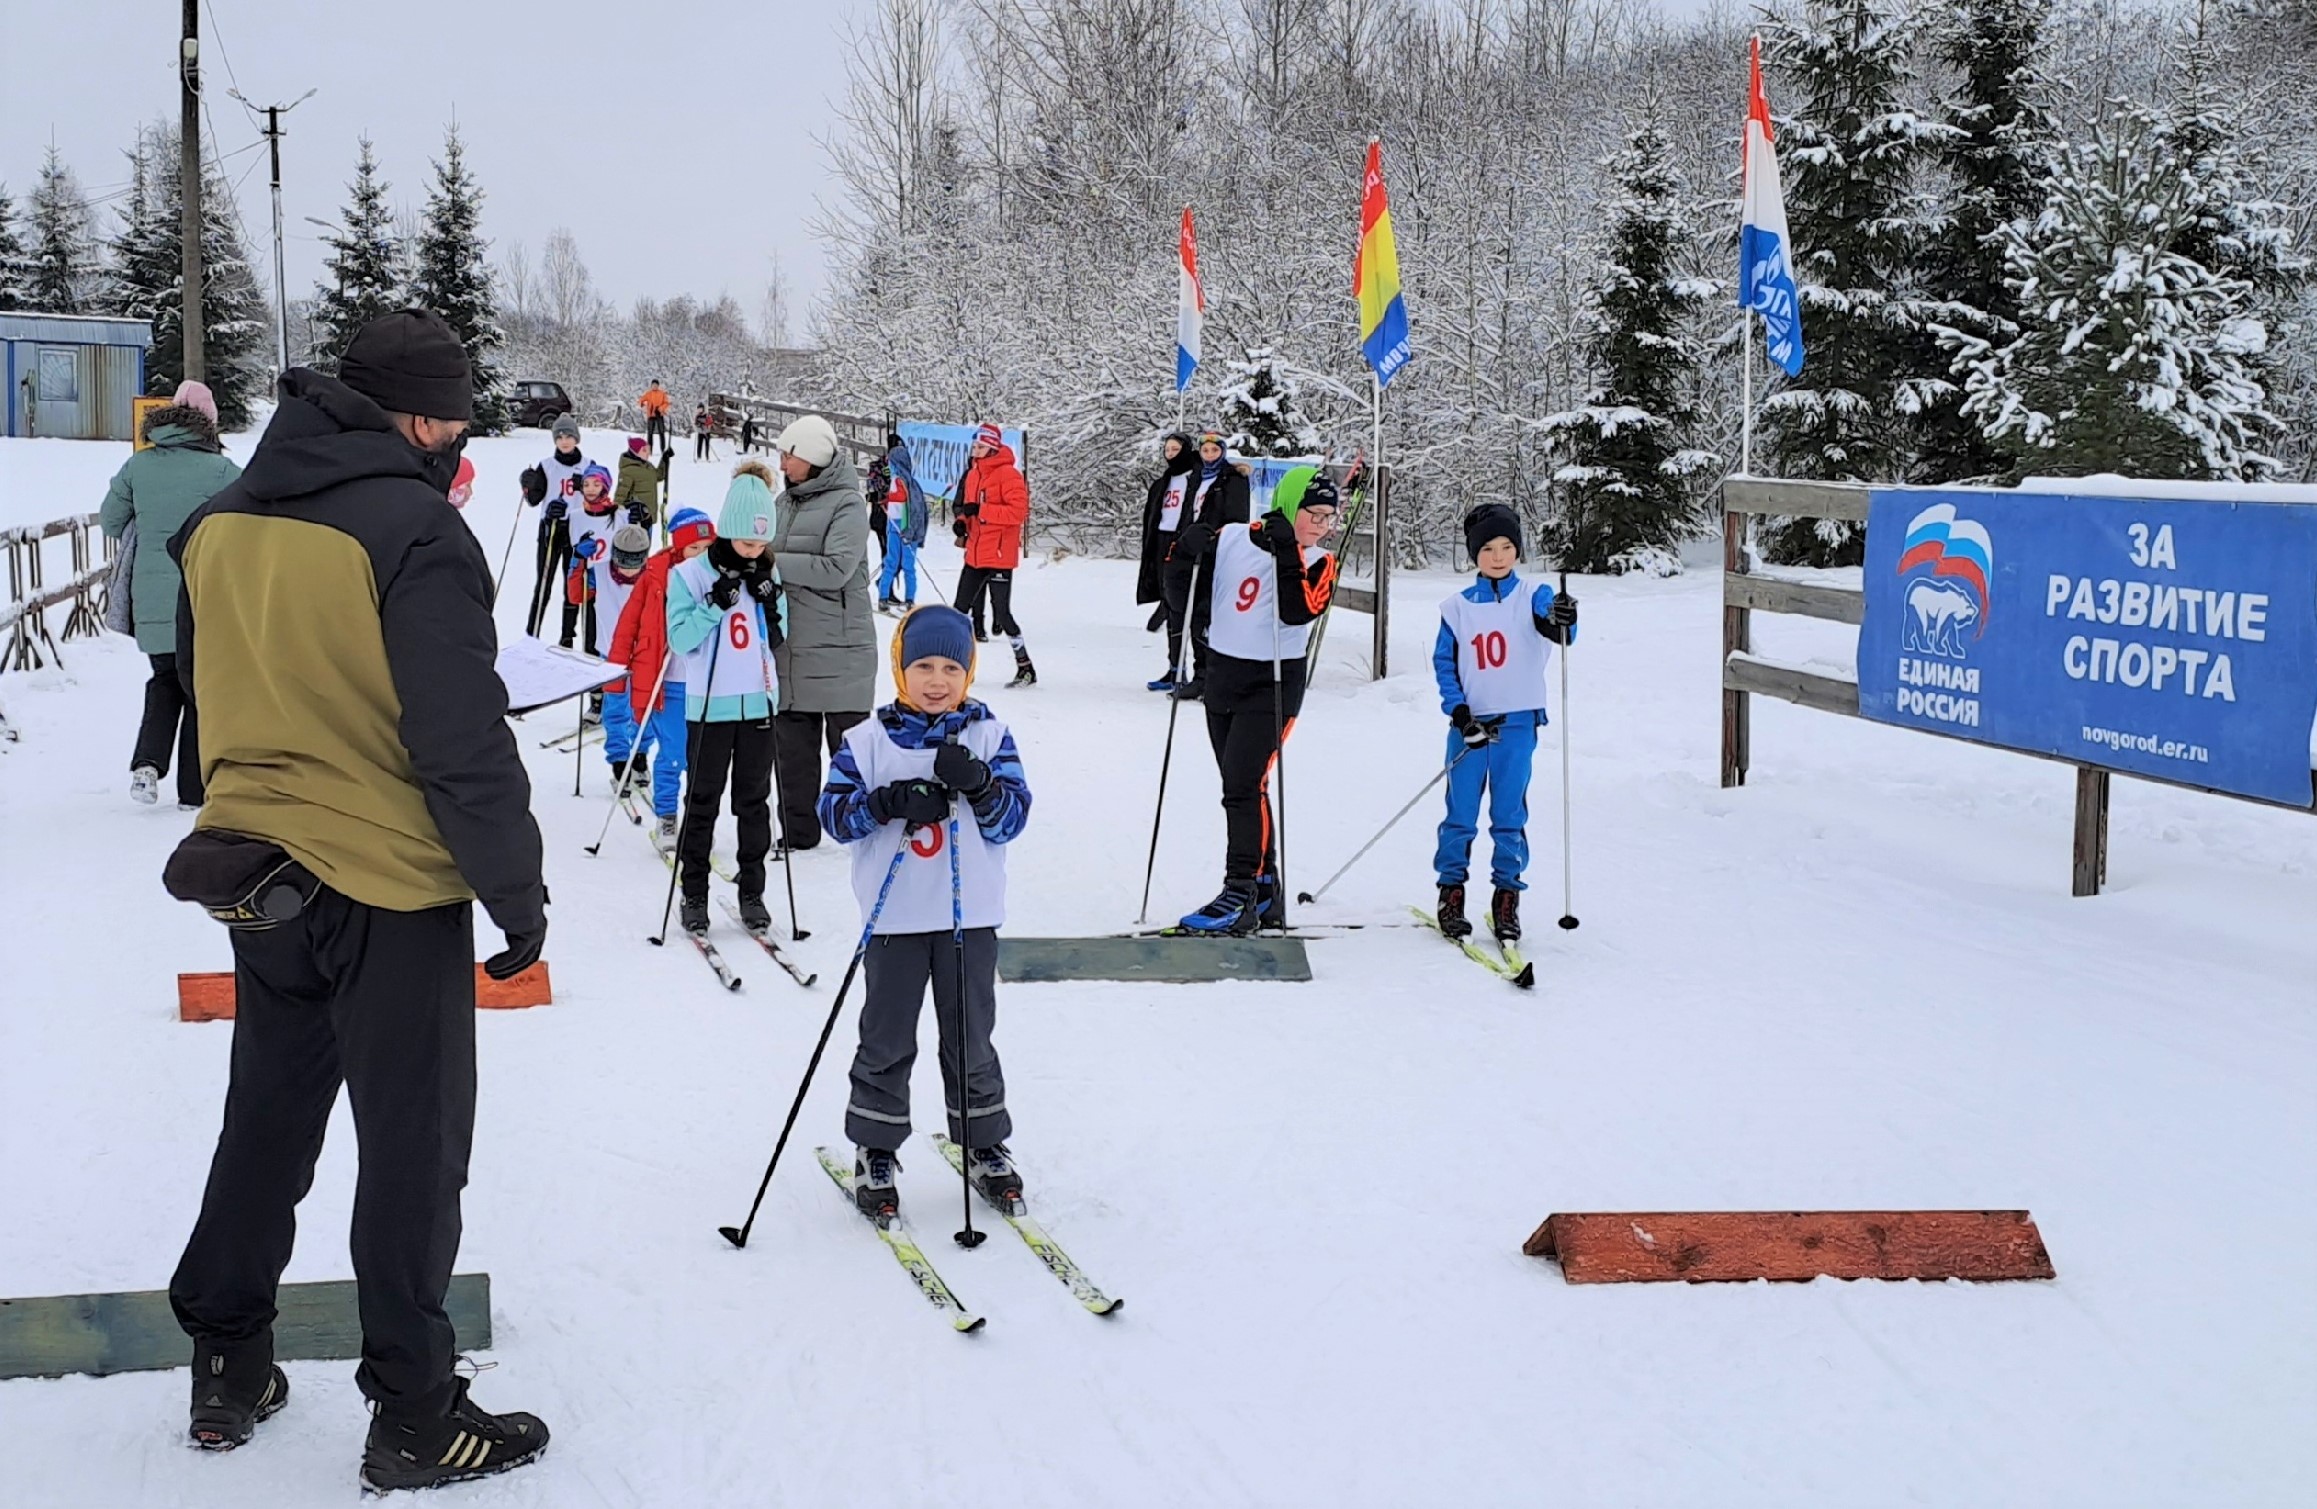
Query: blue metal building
(71,375)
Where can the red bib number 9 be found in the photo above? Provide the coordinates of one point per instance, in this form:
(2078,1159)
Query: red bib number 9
(1490,650)
(1249,590)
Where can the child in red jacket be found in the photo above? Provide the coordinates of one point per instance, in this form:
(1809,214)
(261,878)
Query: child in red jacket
(993,505)
(641,644)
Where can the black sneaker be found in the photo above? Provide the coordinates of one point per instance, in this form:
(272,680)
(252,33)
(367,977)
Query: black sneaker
(754,914)
(465,1441)
(873,1188)
(233,1389)
(692,915)
(1453,922)
(993,1173)
(1504,915)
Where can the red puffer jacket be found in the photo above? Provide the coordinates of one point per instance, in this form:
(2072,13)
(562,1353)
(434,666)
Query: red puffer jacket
(994,535)
(641,641)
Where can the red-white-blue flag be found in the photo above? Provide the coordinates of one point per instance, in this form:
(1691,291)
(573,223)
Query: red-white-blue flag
(1765,251)
(1190,307)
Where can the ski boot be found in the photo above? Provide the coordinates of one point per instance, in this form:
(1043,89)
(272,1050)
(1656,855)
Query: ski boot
(1230,915)
(1270,905)
(755,915)
(593,715)
(665,828)
(145,785)
(873,1188)
(464,1441)
(638,777)
(692,915)
(889,605)
(1453,923)
(993,1173)
(1025,674)
(1163,682)
(1504,915)
(233,1389)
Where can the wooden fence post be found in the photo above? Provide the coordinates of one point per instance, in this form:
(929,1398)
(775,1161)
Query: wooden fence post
(2091,857)
(1737,635)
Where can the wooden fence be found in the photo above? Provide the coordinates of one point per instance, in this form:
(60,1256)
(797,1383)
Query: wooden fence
(1745,675)
(860,434)
(24,616)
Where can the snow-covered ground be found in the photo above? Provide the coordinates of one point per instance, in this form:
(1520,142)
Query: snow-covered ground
(1858,982)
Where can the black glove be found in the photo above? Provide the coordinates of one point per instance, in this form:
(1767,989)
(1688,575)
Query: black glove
(958,531)
(640,515)
(1563,613)
(534,485)
(957,769)
(558,508)
(522,951)
(765,589)
(915,802)
(726,591)
(968,510)
(1278,530)
(1475,732)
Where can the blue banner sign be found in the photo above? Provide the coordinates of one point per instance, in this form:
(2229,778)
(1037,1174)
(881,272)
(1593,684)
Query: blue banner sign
(937,452)
(2160,637)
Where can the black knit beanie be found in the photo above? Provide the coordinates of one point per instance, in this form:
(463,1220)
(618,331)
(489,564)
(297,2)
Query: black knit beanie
(409,362)
(1491,521)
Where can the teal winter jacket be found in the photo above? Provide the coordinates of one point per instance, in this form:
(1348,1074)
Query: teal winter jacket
(160,487)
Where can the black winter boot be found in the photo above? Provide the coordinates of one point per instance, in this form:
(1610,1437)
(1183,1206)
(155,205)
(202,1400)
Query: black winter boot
(692,915)
(465,1441)
(1025,674)
(754,914)
(1504,915)
(233,1389)
(1453,922)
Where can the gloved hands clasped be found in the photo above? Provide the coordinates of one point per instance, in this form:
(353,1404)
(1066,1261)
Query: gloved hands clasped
(725,591)
(917,802)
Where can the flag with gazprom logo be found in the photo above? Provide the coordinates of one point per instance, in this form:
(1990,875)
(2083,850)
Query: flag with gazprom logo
(1765,251)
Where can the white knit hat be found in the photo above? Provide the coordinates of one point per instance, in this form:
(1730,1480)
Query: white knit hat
(812,440)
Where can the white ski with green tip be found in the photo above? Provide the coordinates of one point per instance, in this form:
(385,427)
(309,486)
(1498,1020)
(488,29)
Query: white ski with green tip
(905,1251)
(1049,1251)
(1509,967)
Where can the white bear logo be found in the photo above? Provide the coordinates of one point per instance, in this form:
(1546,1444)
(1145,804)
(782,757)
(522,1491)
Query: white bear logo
(1937,614)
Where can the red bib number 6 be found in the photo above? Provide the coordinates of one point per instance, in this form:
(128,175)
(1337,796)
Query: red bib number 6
(741,638)
(1249,590)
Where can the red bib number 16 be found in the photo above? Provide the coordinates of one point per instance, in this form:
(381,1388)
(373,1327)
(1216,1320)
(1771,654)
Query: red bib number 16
(1489,650)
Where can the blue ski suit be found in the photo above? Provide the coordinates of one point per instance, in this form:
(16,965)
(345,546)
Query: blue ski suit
(1500,768)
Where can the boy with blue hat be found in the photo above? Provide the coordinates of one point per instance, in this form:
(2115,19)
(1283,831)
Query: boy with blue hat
(930,769)
(1496,639)
(723,625)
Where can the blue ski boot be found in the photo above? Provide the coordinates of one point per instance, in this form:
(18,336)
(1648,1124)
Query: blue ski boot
(1231,914)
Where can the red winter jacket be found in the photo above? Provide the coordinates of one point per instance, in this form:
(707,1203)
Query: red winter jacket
(994,535)
(641,641)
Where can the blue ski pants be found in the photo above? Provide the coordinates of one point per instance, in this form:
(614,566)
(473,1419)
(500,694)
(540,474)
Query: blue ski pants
(900,559)
(619,723)
(1501,770)
(664,737)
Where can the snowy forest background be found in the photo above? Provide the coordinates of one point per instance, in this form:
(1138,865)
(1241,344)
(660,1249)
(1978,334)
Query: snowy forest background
(2034,238)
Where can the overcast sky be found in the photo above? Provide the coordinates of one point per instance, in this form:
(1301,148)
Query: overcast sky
(677,142)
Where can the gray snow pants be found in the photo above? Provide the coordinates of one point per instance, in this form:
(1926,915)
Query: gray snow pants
(898,966)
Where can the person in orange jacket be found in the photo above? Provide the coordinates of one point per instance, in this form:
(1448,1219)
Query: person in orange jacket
(654,403)
(993,504)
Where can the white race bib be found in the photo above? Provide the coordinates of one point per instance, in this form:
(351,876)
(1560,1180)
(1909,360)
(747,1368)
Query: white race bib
(1500,656)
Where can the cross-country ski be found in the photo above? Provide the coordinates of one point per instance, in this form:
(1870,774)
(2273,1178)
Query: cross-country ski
(1017,1215)
(895,1233)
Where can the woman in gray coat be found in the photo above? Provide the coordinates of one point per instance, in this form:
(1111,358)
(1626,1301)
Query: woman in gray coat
(828,662)
(157,489)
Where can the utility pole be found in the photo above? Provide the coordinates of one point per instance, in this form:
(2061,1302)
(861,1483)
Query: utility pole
(273,136)
(189,192)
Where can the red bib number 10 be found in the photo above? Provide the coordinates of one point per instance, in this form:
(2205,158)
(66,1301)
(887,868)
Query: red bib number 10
(1489,650)
(1249,590)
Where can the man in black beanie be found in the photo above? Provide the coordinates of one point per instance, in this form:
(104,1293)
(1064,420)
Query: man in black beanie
(361,754)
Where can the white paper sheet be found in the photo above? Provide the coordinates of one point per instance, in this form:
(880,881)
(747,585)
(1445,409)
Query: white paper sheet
(539,674)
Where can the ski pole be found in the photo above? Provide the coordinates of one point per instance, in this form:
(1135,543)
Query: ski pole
(1279,763)
(780,799)
(627,769)
(1568,905)
(507,556)
(969,1238)
(738,1235)
(1438,776)
(1166,763)
(691,775)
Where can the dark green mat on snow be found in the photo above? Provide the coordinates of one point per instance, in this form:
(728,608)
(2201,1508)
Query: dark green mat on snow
(133,1332)
(1158,961)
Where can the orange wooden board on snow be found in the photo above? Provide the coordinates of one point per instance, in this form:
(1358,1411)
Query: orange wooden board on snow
(1735,1246)
(209,997)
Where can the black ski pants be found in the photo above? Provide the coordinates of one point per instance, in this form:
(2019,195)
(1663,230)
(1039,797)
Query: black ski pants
(996,583)
(554,565)
(717,753)
(703,446)
(800,739)
(383,1002)
(1247,733)
(169,723)
(898,967)
(577,616)
(656,429)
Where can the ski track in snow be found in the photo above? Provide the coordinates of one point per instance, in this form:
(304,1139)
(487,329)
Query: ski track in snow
(1858,982)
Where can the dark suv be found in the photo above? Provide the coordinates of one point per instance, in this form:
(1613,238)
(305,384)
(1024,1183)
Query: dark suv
(537,403)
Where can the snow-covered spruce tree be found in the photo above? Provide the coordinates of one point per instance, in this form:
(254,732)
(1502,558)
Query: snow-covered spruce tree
(1996,159)
(452,276)
(146,281)
(1627,481)
(363,276)
(1260,414)
(15,262)
(62,277)
(2132,357)
(1850,156)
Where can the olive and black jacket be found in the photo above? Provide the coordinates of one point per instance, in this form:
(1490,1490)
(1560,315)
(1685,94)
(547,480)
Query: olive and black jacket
(335,631)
